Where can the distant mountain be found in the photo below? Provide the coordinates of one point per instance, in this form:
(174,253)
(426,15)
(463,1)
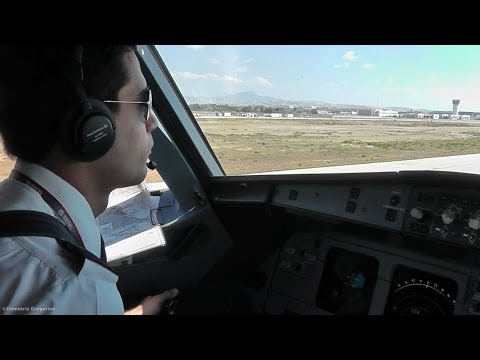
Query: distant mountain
(243,98)
(252,98)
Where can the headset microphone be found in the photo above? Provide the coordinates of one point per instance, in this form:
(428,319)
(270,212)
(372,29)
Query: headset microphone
(151,165)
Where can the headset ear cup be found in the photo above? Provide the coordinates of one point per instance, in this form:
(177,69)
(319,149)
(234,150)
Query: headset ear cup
(94,132)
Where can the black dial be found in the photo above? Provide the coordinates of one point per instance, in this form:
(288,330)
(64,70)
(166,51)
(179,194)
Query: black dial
(418,293)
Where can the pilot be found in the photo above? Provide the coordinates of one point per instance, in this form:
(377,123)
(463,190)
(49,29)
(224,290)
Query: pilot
(78,121)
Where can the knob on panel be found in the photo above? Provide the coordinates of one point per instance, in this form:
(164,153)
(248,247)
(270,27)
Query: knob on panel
(474,222)
(448,217)
(416,213)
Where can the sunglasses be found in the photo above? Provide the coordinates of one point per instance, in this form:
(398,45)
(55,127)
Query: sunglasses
(147,103)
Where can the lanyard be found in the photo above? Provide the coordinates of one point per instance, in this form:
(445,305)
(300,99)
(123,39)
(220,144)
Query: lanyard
(62,214)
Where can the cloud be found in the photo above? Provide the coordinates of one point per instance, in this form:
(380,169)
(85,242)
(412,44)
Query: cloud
(214,61)
(262,81)
(195,47)
(350,56)
(231,79)
(227,80)
(241,69)
(189,76)
(368,66)
(341,66)
(236,59)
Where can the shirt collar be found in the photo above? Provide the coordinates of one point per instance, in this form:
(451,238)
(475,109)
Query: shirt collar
(71,199)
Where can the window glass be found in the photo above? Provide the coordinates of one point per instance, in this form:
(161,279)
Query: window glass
(282,107)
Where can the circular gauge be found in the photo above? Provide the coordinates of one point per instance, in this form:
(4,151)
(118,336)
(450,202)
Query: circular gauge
(421,296)
(347,283)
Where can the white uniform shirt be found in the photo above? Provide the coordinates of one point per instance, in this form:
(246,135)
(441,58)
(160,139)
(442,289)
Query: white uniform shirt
(37,275)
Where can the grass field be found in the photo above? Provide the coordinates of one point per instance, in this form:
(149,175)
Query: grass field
(254,145)
(245,145)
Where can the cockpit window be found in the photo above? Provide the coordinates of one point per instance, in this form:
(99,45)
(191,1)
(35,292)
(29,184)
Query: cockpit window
(270,108)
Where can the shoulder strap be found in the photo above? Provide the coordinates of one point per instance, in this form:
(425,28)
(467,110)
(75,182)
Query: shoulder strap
(34,223)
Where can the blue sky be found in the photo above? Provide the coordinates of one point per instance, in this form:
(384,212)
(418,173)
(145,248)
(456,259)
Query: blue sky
(418,76)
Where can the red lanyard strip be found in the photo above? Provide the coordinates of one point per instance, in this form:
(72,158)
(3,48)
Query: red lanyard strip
(52,202)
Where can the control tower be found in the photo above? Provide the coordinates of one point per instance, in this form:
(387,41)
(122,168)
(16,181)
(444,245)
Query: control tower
(455,107)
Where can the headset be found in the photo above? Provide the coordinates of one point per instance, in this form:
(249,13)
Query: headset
(89,132)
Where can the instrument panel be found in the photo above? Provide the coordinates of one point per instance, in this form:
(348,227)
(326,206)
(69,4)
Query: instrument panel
(445,214)
(402,243)
(450,215)
(348,274)
(330,274)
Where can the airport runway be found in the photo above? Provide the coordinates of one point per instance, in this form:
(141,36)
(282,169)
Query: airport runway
(460,163)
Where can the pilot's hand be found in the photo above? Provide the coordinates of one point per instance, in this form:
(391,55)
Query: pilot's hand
(152,305)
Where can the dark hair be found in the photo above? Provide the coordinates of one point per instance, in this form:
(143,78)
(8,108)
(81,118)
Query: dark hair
(36,96)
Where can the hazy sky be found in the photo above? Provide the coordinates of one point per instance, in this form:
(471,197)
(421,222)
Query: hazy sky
(418,76)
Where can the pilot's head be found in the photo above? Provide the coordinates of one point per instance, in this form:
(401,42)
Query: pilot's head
(85,104)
